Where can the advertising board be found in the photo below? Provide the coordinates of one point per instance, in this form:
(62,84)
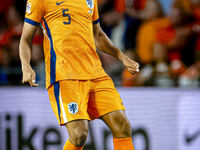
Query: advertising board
(161,119)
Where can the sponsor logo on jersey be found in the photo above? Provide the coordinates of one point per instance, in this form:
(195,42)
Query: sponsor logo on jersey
(90,3)
(73,108)
(28,7)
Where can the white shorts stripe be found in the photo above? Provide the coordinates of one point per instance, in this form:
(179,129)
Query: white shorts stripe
(63,110)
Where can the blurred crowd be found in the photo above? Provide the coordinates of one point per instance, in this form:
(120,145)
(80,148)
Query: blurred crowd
(12,13)
(166,45)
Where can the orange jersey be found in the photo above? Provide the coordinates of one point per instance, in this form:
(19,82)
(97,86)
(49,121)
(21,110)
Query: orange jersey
(69,47)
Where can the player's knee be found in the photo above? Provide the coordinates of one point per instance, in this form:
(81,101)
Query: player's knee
(79,138)
(126,128)
(123,129)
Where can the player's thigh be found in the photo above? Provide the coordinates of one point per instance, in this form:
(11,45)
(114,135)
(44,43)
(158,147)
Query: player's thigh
(77,128)
(104,98)
(68,99)
(115,118)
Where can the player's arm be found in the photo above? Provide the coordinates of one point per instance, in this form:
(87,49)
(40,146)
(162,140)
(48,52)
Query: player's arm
(104,44)
(25,50)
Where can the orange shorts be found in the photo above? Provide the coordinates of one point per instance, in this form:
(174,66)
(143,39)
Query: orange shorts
(84,99)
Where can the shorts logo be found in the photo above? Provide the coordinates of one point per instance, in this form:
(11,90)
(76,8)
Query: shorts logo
(90,3)
(73,108)
(28,7)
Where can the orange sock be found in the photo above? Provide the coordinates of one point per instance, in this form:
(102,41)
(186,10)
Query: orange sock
(123,144)
(70,146)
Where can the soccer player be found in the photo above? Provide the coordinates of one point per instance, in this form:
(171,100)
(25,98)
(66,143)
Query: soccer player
(79,89)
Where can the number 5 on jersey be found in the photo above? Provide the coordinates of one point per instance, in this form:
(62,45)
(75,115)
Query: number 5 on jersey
(66,15)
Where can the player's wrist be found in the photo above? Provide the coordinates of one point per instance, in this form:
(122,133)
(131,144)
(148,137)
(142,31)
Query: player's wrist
(26,67)
(121,56)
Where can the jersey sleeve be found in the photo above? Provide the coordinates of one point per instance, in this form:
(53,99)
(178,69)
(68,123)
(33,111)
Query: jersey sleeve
(95,14)
(34,12)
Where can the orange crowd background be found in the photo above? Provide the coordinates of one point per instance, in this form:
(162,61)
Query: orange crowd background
(166,45)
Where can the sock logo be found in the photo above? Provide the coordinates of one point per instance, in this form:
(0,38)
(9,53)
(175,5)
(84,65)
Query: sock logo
(73,108)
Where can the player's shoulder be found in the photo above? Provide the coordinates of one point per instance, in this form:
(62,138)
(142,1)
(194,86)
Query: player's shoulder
(35,2)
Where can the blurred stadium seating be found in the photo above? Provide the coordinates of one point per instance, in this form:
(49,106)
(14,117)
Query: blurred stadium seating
(163,36)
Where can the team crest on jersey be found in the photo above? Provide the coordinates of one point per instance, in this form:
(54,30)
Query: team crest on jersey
(28,7)
(90,3)
(73,108)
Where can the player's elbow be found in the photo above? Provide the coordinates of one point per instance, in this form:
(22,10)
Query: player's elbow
(25,41)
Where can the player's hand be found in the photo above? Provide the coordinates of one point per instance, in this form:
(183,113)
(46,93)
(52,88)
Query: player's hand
(29,76)
(132,66)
